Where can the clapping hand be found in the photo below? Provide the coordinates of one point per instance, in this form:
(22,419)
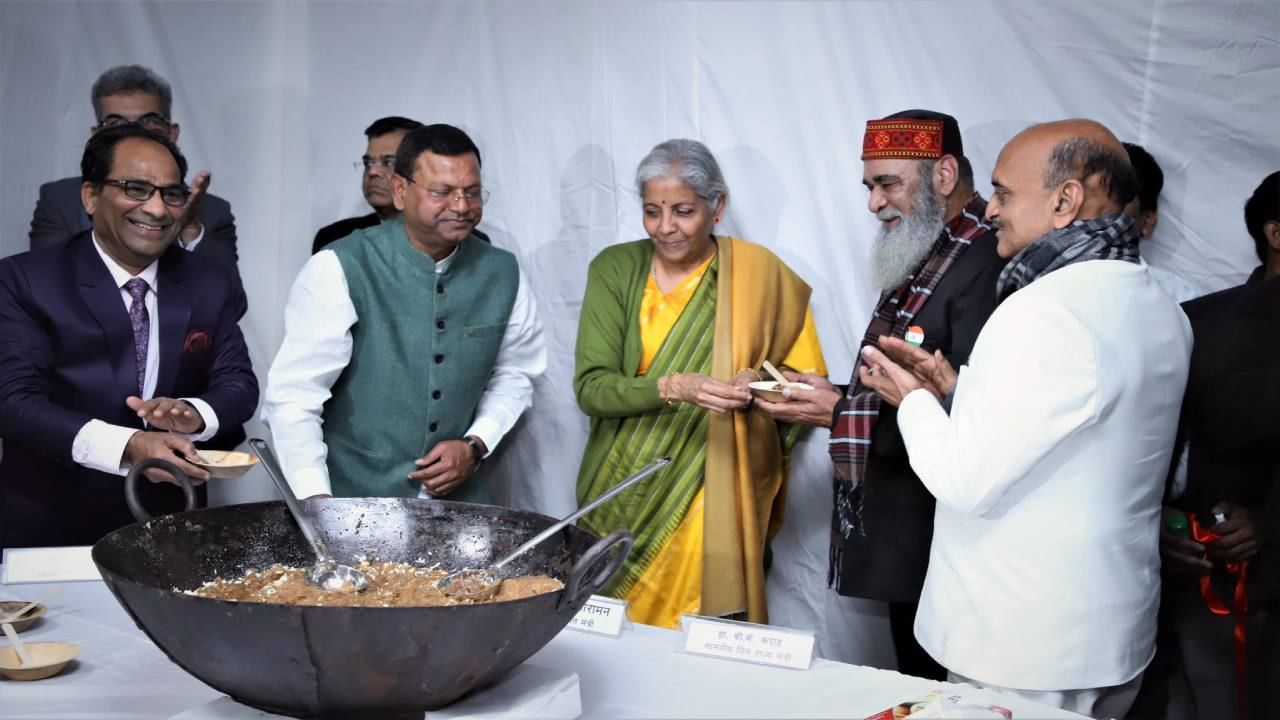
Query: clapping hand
(897,367)
(190,220)
(167,414)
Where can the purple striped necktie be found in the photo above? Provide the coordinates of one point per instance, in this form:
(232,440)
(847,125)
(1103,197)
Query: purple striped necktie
(137,288)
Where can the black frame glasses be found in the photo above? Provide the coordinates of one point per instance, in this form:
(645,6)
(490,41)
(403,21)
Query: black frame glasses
(151,121)
(141,190)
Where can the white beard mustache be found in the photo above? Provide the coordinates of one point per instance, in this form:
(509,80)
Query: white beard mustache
(900,249)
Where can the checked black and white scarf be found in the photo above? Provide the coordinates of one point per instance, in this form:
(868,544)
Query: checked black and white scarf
(858,412)
(1110,237)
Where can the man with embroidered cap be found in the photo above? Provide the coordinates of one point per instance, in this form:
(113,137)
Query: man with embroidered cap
(1048,468)
(410,347)
(116,346)
(935,266)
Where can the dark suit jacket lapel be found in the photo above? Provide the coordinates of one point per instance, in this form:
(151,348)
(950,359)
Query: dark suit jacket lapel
(102,298)
(174,308)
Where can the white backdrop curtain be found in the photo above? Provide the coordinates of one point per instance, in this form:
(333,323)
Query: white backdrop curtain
(564,98)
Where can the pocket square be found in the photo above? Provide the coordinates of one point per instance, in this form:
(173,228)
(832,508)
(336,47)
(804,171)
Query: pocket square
(197,341)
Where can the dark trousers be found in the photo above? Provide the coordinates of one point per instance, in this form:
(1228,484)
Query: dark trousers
(912,659)
(1263,652)
(1193,676)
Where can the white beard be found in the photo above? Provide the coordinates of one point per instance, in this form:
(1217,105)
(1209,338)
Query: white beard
(900,249)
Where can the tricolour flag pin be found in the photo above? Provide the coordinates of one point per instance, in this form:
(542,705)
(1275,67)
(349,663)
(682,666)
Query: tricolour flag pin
(915,335)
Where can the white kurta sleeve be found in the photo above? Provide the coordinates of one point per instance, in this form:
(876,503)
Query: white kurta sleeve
(318,317)
(1032,381)
(522,357)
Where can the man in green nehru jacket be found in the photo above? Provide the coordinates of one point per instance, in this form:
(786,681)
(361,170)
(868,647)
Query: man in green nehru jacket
(411,347)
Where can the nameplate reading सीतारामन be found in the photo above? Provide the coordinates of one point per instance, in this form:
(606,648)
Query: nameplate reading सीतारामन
(747,642)
(601,615)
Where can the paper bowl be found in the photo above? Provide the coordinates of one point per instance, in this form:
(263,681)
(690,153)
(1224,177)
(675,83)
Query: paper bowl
(772,391)
(26,619)
(225,463)
(49,659)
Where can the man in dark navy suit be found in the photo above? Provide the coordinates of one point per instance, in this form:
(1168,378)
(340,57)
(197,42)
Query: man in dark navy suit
(115,346)
(134,94)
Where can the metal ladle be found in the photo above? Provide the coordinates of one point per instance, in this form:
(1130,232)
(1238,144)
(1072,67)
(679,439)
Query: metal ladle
(481,584)
(326,574)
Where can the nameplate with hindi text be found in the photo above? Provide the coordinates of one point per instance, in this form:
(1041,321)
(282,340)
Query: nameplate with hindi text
(602,616)
(748,642)
(49,564)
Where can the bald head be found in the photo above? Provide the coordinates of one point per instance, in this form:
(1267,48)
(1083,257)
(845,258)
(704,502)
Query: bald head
(1049,176)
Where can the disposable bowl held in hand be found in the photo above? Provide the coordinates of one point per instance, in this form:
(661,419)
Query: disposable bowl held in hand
(772,390)
(225,464)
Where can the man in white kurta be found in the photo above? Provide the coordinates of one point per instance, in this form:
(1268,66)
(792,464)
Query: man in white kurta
(1049,468)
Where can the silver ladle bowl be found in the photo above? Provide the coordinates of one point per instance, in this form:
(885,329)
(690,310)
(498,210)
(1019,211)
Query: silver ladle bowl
(481,584)
(326,573)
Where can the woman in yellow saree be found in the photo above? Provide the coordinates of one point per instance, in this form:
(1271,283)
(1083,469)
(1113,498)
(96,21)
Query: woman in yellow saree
(672,330)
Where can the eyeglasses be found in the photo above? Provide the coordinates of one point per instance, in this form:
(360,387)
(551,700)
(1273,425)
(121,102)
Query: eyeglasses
(367,163)
(151,121)
(141,190)
(471,196)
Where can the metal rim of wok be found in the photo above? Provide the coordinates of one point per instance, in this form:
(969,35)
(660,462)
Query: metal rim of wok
(351,662)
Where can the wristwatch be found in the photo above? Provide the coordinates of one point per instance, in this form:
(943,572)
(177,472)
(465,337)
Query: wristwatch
(477,450)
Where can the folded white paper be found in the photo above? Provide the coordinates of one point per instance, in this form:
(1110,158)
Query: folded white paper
(53,564)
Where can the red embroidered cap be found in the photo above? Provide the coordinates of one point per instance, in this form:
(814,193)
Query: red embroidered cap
(912,134)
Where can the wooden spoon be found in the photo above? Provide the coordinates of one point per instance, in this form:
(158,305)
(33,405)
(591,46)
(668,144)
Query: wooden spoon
(15,615)
(768,366)
(23,655)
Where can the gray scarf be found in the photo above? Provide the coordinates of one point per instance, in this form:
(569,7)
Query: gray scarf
(1110,237)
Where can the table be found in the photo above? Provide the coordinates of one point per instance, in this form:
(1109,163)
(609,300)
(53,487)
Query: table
(643,674)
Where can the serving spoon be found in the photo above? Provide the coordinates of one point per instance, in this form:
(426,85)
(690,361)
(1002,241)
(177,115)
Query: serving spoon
(481,584)
(326,574)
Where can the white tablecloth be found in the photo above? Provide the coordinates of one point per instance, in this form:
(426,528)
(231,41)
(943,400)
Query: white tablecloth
(643,674)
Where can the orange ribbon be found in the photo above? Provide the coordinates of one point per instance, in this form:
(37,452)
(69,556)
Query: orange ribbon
(1240,603)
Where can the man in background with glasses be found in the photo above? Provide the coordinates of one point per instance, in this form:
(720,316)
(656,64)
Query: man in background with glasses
(132,94)
(410,347)
(115,346)
(376,167)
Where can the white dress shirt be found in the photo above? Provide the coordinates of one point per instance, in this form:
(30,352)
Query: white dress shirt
(317,347)
(1044,571)
(100,445)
